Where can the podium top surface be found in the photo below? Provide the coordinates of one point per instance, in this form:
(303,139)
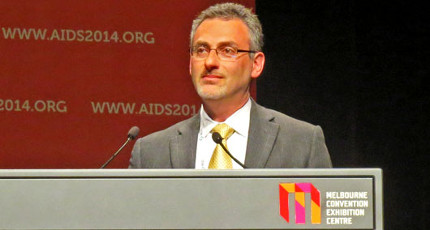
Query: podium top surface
(189,172)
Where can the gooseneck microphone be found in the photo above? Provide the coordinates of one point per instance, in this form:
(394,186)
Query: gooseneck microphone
(218,139)
(132,134)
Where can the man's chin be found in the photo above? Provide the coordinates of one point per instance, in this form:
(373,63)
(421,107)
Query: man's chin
(208,97)
(213,94)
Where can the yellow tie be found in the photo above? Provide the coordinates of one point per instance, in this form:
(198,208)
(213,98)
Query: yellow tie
(220,159)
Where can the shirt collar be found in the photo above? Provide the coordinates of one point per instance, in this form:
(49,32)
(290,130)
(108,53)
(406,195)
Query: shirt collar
(239,121)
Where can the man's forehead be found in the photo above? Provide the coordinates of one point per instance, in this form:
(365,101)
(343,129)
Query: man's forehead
(218,44)
(221,30)
(220,21)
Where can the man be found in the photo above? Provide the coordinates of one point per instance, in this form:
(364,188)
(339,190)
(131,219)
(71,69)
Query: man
(225,45)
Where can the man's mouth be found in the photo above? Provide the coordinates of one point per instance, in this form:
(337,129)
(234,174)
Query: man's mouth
(211,76)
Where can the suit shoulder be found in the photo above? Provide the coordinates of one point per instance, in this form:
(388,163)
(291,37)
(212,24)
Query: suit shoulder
(285,120)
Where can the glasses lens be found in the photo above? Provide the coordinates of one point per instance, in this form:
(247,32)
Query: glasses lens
(200,52)
(227,52)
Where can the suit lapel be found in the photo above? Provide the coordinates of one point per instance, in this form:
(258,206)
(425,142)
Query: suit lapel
(184,143)
(262,136)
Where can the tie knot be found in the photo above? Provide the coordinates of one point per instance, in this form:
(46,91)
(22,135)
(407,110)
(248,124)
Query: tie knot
(224,130)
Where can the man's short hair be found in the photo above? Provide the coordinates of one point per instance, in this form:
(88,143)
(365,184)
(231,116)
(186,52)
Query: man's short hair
(231,11)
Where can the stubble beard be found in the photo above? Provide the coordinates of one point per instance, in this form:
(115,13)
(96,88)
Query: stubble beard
(211,92)
(208,91)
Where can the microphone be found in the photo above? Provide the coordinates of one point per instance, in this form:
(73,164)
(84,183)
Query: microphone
(132,134)
(218,139)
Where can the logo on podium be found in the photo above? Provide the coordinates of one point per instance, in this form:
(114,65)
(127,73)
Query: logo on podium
(299,190)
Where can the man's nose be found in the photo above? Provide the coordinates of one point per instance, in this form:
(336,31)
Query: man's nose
(212,61)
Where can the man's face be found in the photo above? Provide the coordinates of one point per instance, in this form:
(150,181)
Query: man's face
(216,79)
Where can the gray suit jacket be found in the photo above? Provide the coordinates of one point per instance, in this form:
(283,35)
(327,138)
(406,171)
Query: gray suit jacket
(275,141)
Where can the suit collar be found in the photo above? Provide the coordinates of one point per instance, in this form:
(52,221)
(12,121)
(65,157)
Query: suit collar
(263,132)
(184,143)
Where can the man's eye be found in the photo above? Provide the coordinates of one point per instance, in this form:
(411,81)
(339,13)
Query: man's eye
(201,50)
(228,50)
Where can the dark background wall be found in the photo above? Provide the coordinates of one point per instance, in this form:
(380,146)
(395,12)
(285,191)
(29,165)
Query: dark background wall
(357,68)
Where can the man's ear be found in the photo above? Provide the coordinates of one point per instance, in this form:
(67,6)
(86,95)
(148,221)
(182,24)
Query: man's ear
(189,66)
(258,64)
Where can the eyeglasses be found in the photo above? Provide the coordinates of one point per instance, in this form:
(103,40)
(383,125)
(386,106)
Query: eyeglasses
(225,53)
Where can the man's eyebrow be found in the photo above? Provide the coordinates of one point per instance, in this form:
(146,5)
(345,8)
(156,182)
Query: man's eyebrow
(227,43)
(201,43)
(220,44)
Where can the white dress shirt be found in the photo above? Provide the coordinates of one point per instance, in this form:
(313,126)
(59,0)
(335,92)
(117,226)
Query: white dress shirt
(237,142)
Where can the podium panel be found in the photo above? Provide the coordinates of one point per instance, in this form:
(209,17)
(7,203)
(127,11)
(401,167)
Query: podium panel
(191,199)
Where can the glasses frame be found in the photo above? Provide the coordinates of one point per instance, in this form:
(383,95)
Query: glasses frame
(221,58)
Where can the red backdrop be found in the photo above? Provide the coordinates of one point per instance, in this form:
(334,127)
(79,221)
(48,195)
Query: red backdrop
(76,75)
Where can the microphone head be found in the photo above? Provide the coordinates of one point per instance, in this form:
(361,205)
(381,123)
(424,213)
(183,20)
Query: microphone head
(217,137)
(134,131)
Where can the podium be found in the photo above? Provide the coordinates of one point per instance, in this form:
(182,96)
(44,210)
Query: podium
(191,199)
